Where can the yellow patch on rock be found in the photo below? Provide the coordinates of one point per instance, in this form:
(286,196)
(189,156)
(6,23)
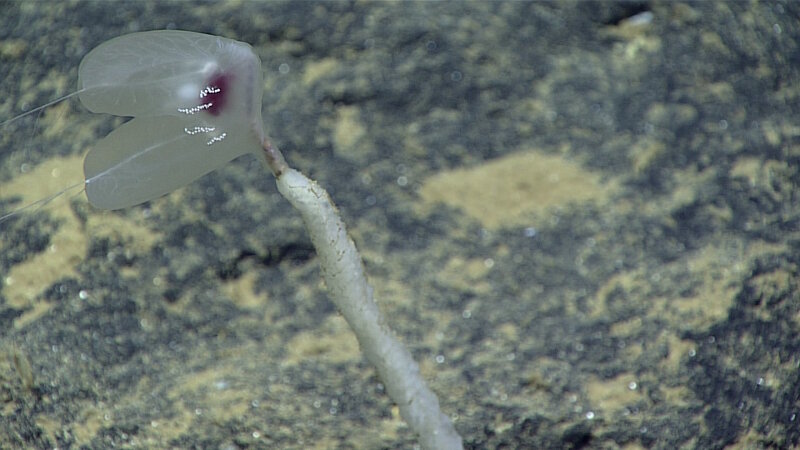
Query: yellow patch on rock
(465,275)
(612,396)
(242,291)
(27,280)
(514,189)
(348,135)
(333,341)
(319,69)
(45,180)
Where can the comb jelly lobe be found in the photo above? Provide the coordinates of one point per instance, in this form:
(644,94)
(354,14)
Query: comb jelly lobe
(196,103)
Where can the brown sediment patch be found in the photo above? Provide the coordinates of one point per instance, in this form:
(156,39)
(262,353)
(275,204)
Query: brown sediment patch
(517,189)
(27,280)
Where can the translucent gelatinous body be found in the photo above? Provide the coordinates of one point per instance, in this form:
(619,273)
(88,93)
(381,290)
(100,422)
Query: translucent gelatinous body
(196,103)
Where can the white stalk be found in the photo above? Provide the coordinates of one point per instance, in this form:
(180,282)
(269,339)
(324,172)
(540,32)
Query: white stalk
(344,276)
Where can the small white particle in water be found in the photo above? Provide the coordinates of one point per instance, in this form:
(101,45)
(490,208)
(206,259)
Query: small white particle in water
(402,181)
(590,415)
(221,384)
(655,278)
(83,295)
(632,385)
(440,359)
(466,314)
(643,18)
(283,69)
(530,232)
(256,434)
(8,281)
(488,262)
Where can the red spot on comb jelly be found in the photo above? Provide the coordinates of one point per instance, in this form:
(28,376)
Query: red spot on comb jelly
(215,94)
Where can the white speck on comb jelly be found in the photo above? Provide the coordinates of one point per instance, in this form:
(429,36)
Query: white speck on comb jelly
(188,92)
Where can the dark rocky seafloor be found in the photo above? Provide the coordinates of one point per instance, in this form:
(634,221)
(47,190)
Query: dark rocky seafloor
(582,218)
